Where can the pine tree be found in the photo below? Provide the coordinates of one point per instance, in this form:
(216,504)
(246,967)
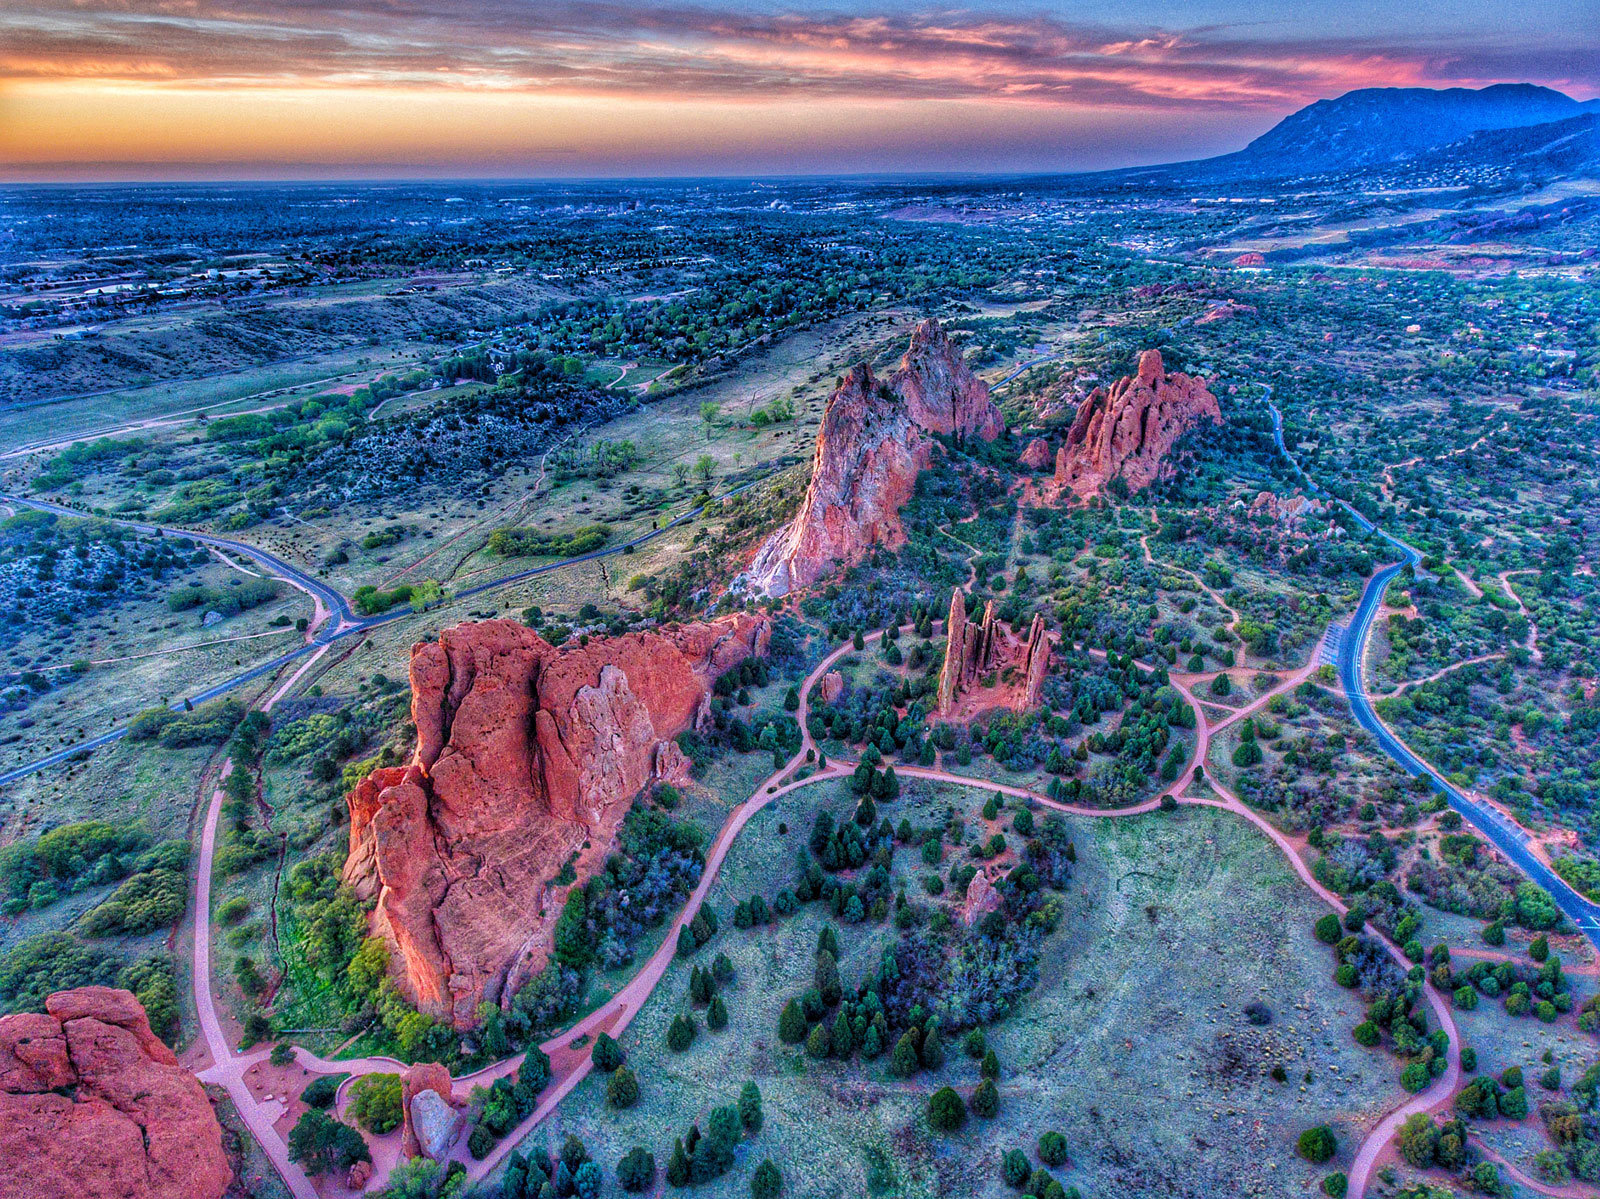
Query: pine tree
(680,1034)
(826,978)
(818,1043)
(991,1064)
(717,1014)
(678,1165)
(986,1099)
(750,1114)
(792,1023)
(872,1043)
(932,1054)
(607,1053)
(700,987)
(828,941)
(904,1061)
(843,1036)
(722,968)
(766,1182)
(622,1088)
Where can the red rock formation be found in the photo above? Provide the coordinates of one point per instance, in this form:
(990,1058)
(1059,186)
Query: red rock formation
(1128,431)
(980,899)
(969,650)
(1249,258)
(974,649)
(524,752)
(832,686)
(873,443)
(133,1125)
(1036,454)
(1035,665)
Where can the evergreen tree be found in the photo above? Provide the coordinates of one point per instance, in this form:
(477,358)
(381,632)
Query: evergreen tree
(750,1114)
(828,941)
(818,1043)
(766,1182)
(842,1036)
(986,1099)
(680,1035)
(717,1014)
(903,1062)
(678,1165)
(637,1169)
(607,1053)
(622,1088)
(946,1111)
(792,1023)
(932,1054)
(826,978)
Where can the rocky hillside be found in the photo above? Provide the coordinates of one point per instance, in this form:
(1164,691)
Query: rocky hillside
(873,442)
(1128,431)
(525,753)
(94,1106)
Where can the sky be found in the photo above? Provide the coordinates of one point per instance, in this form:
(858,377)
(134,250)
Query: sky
(247,89)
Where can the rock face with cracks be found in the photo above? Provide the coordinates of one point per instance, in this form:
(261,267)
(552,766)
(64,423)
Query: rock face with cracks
(873,443)
(1128,431)
(524,753)
(94,1106)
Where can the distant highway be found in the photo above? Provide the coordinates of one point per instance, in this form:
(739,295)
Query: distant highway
(1506,835)
(327,598)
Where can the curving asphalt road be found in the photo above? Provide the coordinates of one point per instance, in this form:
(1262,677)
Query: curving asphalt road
(326,598)
(1505,834)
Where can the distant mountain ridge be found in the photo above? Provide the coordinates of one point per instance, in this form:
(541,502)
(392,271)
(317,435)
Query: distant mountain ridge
(1373,128)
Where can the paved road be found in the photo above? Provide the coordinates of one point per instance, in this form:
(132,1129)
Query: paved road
(1505,834)
(326,598)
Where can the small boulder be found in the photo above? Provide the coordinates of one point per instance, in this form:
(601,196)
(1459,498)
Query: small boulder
(832,686)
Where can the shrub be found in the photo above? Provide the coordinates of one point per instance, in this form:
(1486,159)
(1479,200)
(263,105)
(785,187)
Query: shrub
(375,1102)
(792,1023)
(680,1034)
(622,1088)
(637,1169)
(750,1114)
(1415,1077)
(1335,1185)
(1418,1140)
(1366,1033)
(607,1054)
(321,1092)
(1317,1144)
(1495,933)
(766,1182)
(819,1043)
(1053,1149)
(1015,1168)
(1328,930)
(1514,1104)
(319,1144)
(904,1061)
(986,1099)
(480,1142)
(946,1111)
